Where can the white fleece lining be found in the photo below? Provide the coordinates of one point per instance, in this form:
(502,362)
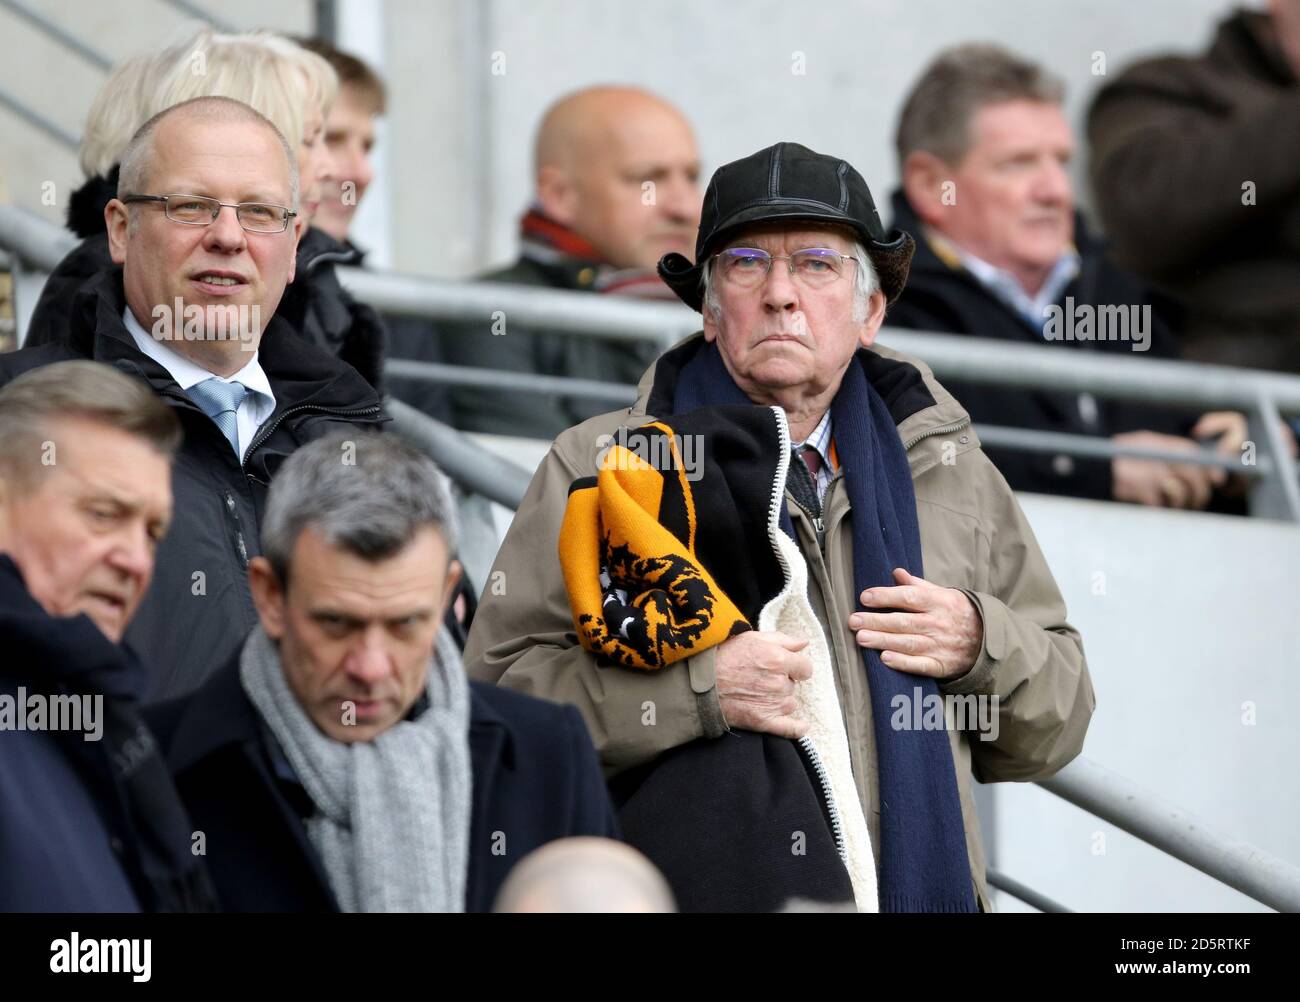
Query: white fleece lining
(792,613)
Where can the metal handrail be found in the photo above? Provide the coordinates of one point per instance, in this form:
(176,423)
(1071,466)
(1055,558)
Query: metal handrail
(43,245)
(1138,811)
(615,394)
(1009,885)
(198,13)
(36,241)
(1040,367)
(623,394)
(460,457)
(609,318)
(1260,394)
(34,118)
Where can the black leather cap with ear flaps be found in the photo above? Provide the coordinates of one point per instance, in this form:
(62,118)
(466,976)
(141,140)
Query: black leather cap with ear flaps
(788,182)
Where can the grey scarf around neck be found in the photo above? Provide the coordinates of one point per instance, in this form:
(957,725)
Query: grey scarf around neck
(393,814)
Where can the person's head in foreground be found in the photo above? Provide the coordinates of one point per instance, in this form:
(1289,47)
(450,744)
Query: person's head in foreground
(792,273)
(85,488)
(585,875)
(984,150)
(357,572)
(204,216)
(618,167)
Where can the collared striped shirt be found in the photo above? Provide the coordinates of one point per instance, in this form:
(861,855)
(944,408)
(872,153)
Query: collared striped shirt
(820,442)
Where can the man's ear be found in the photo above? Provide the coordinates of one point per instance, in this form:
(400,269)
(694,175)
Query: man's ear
(117,220)
(268,596)
(875,317)
(455,571)
(293,258)
(6,495)
(557,195)
(710,323)
(924,175)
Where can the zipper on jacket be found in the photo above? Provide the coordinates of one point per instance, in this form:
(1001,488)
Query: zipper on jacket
(239,528)
(819,523)
(832,811)
(267,430)
(817,519)
(775,500)
(942,430)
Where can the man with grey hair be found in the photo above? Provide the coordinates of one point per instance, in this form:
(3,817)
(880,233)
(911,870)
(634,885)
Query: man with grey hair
(89,818)
(984,151)
(342,760)
(203,231)
(752,639)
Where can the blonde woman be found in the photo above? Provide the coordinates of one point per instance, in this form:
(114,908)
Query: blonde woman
(294,89)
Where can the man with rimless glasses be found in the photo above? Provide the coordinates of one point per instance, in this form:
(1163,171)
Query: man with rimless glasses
(203,229)
(773,720)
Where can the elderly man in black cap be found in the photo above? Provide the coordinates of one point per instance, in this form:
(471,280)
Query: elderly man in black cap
(796,604)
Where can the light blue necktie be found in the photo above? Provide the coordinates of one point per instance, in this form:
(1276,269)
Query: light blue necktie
(220,401)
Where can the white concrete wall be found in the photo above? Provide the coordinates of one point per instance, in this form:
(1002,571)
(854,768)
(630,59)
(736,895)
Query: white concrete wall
(1189,623)
(731,68)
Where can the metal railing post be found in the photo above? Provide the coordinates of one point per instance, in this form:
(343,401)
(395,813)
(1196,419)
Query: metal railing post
(1009,885)
(1277,495)
(1136,810)
(458,456)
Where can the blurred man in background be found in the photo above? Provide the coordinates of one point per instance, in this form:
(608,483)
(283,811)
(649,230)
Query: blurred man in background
(349,137)
(1196,167)
(89,819)
(617,186)
(984,149)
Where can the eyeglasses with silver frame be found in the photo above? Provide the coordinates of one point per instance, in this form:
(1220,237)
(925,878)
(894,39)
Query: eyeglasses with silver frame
(813,267)
(199,210)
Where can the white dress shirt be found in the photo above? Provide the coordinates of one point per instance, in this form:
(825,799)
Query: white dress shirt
(258,402)
(1006,287)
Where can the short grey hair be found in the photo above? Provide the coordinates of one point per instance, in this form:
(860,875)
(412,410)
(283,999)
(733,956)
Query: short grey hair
(937,114)
(369,493)
(32,404)
(137,159)
(866,281)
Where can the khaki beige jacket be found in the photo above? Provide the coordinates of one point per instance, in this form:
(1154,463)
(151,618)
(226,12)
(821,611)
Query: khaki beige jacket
(974,537)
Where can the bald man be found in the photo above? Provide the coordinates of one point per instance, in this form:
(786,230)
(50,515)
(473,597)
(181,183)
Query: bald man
(585,874)
(617,187)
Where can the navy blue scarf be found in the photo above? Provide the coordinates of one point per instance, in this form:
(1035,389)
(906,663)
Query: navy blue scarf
(922,855)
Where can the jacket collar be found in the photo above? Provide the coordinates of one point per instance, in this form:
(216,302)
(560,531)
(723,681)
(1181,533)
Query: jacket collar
(66,651)
(86,205)
(920,406)
(220,714)
(936,257)
(317,248)
(300,373)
